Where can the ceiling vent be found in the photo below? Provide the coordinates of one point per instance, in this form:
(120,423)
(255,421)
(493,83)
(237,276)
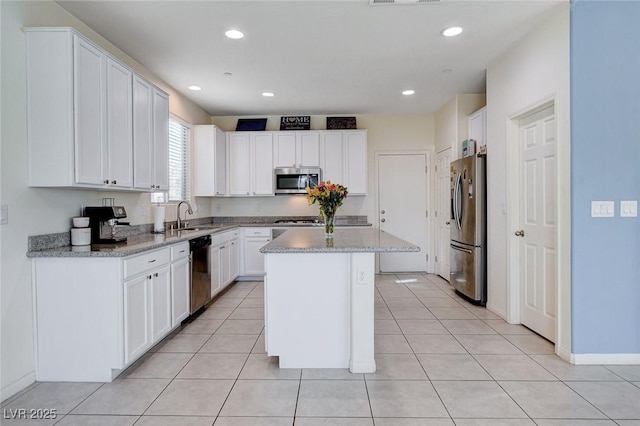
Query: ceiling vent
(401,2)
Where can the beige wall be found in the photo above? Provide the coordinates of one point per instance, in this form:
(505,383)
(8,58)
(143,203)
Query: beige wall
(534,70)
(34,211)
(385,133)
(452,125)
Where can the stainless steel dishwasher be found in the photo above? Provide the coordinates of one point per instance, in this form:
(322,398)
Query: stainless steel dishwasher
(200,272)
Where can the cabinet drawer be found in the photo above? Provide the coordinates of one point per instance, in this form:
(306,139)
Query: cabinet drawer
(179,251)
(144,262)
(257,232)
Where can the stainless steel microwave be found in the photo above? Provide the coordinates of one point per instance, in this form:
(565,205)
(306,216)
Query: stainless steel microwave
(294,180)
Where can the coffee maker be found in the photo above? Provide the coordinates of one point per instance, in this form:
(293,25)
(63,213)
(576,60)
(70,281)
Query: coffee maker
(102,221)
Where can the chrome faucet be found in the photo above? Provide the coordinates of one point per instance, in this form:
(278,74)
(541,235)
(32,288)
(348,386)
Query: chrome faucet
(189,211)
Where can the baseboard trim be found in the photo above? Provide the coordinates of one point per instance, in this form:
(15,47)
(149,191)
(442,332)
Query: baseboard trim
(604,359)
(13,388)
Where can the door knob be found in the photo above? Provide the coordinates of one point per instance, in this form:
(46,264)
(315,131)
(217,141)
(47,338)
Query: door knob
(520,233)
(447,223)
(382,220)
(382,212)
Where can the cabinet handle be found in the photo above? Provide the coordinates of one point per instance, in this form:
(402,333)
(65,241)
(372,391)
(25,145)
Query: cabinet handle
(106,181)
(181,251)
(247,193)
(149,277)
(151,261)
(113,182)
(155,275)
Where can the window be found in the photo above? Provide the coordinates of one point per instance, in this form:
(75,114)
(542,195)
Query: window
(179,142)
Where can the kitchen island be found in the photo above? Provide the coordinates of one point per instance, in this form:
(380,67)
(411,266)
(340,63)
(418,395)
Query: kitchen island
(319,297)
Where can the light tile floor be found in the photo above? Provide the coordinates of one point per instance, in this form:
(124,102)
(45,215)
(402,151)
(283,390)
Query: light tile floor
(441,361)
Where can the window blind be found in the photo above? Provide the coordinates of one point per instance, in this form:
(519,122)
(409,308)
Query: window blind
(179,137)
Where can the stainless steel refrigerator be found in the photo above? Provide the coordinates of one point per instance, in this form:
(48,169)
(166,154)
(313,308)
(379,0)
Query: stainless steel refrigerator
(469,228)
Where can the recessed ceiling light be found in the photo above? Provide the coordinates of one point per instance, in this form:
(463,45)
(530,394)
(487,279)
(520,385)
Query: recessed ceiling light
(268,94)
(227,74)
(234,34)
(194,88)
(451,31)
(408,92)
(447,71)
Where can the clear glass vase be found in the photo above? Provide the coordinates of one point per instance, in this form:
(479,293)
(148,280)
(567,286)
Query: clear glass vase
(329,218)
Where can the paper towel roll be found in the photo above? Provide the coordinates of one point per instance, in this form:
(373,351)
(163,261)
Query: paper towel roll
(158,219)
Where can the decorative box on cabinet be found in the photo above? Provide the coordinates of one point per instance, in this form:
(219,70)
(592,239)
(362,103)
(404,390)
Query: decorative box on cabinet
(81,116)
(209,161)
(250,163)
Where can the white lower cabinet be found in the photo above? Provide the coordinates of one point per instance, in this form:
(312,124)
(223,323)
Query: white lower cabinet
(97,315)
(252,241)
(180,283)
(224,260)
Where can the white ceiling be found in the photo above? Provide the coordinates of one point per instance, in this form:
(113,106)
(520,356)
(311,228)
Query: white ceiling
(318,57)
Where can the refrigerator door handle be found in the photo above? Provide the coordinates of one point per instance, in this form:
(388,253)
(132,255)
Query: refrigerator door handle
(458,248)
(458,201)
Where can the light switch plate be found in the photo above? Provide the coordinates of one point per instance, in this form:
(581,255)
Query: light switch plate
(628,208)
(602,209)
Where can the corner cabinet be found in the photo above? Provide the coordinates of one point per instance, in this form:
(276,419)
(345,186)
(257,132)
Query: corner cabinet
(250,163)
(118,308)
(209,161)
(83,115)
(343,159)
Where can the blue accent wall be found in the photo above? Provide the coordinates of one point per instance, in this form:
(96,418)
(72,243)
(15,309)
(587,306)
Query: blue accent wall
(605,165)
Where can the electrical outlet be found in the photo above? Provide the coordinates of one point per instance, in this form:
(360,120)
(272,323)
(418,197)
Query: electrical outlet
(142,211)
(4,214)
(362,276)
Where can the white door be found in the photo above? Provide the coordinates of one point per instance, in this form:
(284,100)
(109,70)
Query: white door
(137,318)
(119,125)
(160,104)
(161,299)
(443,213)
(142,134)
(239,163)
(402,208)
(332,157)
(262,159)
(537,215)
(180,272)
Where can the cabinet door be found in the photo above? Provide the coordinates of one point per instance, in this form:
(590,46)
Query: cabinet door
(239,163)
(160,140)
(355,144)
(119,127)
(137,317)
(220,155)
(180,274)
(204,164)
(225,264)
(161,298)
(332,157)
(253,259)
(216,276)
(285,149)
(234,259)
(142,134)
(262,159)
(89,114)
(477,127)
(309,149)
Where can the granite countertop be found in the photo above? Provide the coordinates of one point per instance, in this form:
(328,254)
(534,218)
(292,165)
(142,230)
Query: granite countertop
(363,240)
(141,242)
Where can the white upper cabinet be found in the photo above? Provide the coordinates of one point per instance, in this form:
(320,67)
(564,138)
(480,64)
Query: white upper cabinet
(83,108)
(296,149)
(250,163)
(160,140)
(119,125)
(343,159)
(477,127)
(142,134)
(90,115)
(209,161)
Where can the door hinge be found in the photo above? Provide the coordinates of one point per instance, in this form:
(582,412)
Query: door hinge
(436,168)
(427,257)
(436,213)
(436,259)
(427,213)
(426,169)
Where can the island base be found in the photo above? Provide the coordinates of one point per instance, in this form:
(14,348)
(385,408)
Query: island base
(319,310)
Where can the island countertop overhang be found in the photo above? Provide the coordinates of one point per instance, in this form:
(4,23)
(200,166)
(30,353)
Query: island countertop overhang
(358,240)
